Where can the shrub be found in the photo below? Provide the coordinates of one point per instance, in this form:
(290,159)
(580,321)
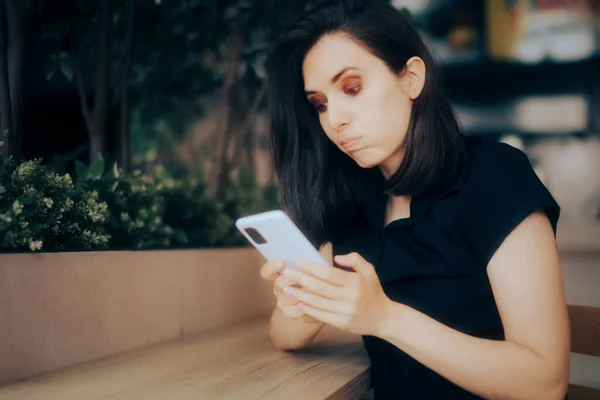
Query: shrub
(42,210)
(104,208)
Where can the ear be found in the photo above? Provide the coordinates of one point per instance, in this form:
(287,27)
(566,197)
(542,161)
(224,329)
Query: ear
(415,72)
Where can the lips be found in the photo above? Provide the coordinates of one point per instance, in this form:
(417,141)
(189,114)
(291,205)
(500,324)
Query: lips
(351,145)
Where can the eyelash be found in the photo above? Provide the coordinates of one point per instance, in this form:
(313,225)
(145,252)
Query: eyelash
(353,92)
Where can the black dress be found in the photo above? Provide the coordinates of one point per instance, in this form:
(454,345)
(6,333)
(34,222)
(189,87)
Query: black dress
(435,260)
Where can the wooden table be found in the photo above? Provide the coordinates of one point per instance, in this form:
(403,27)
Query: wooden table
(235,363)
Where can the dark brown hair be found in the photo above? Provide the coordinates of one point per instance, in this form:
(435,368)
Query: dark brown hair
(316,177)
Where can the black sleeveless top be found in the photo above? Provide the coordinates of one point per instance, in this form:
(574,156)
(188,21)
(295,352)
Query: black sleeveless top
(435,260)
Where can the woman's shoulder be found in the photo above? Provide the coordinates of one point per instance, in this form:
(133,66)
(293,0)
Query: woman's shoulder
(490,157)
(499,171)
(502,190)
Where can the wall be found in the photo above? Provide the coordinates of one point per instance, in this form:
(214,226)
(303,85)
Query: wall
(66,308)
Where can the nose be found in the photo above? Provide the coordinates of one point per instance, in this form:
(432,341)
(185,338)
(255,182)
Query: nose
(337,118)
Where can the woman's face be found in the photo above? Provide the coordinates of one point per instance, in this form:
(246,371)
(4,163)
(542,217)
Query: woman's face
(364,108)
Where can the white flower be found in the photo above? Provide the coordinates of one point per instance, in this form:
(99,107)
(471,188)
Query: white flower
(35,245)
(48,202)
(2,189)
(17,207)
(25,168)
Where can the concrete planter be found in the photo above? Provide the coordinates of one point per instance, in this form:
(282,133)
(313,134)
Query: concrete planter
(60,309)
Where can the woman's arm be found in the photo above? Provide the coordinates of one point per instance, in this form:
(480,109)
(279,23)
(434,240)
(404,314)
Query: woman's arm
(533,361)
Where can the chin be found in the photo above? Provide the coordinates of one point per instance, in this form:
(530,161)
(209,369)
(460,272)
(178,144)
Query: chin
(366,159)
(367,162)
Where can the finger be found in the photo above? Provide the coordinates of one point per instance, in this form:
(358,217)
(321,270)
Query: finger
(272,269)
(327,273)
(284,281)
(315,285)
(323,316)
(356,262)
(313,300)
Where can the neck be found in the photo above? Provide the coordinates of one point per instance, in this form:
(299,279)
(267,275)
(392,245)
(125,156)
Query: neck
(391,165)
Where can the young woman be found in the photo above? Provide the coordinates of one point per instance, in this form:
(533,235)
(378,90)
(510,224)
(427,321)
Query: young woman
(446,261)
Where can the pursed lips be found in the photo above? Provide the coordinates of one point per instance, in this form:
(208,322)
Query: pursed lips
(351,145)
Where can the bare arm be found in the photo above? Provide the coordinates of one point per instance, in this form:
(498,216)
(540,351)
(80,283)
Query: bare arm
(291,334)
(533,361)
(288,329)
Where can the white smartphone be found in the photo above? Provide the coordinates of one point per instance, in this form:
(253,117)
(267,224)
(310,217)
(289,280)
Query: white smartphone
(275,235)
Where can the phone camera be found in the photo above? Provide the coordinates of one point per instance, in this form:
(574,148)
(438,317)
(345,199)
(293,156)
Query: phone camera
(257,237)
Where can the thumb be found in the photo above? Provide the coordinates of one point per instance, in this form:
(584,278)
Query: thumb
(356,262)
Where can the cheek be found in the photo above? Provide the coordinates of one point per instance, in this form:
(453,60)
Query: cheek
(392,125)
(330,133)
(388,108)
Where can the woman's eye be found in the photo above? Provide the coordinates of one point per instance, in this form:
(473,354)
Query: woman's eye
(354,90)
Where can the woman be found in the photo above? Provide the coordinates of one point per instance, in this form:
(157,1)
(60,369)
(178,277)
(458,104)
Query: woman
(445,245)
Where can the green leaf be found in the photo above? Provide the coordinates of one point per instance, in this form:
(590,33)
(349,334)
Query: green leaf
(81,171)
(66,67)
(50,66)
(113,173)
(97,168)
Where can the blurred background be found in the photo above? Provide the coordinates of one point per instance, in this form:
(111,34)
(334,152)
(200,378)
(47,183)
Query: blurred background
(142,123)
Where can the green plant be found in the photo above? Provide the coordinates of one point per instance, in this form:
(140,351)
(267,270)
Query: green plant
(135,202)
(197,219)
(245,197)
(40,209)
(104,208)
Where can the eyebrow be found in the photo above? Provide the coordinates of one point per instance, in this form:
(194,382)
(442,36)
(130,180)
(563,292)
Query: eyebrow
(335,78)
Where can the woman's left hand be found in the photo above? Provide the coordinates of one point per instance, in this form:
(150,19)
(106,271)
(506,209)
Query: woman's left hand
(352,301)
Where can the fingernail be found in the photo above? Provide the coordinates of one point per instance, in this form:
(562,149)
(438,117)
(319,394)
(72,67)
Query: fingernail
(287,272)
(287,290)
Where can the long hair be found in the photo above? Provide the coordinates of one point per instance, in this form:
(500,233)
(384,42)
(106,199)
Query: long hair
(316,177)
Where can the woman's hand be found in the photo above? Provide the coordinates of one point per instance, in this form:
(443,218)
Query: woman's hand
(352,301)
(272,271)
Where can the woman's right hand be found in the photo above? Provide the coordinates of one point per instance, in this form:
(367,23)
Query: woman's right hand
(272,271)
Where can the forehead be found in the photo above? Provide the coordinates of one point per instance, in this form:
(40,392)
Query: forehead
(329,55)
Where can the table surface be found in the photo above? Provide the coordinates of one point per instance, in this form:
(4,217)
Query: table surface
(238,362)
